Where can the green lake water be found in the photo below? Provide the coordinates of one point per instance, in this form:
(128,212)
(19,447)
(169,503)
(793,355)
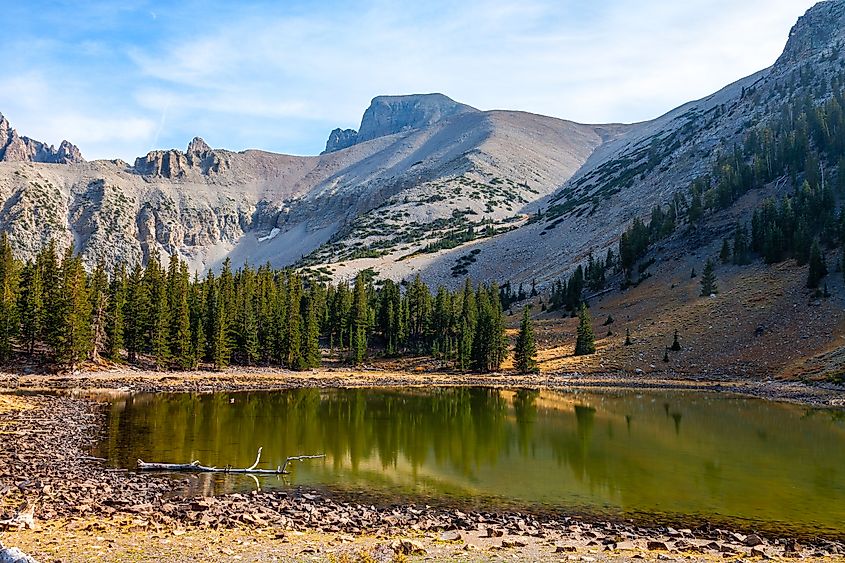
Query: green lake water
(654,456)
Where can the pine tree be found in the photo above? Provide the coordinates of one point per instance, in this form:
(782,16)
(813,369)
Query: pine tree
(8,298)
(293,344)
(136,313)
(310,333)
(73,338)
(115,326)
(818,267)
(525,355)
(31,306)
(585,342)
(158,328)
(676,346)
(725,254)
(98,290)
(181,342)
(628,337)
(218,335)
(708,279)
(360,320)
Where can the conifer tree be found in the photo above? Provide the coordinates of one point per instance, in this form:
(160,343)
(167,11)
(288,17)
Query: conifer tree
(98,291)
(72,339)
(136,312)
(31,306)
(818,267)
(525,355)
(158,328)
(293,344)
(115,326)
(708,279)
(360,320)
(181,342)
(628,337)
(8,298)
(676,346)
(310,333)
(585,342)
(725,253)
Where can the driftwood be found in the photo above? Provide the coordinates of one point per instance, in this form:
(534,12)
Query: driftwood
(197,467)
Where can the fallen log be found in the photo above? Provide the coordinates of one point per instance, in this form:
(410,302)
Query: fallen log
(197,467)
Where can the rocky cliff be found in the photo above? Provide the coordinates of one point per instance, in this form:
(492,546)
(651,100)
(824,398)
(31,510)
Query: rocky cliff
(14,148)
(389,115)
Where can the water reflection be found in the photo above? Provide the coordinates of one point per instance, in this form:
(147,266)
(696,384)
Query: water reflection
(770,464)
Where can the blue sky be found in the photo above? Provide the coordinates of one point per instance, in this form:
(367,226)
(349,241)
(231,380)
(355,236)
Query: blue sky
(120,78)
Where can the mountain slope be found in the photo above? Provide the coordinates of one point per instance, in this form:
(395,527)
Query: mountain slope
(651,162)
(207,205)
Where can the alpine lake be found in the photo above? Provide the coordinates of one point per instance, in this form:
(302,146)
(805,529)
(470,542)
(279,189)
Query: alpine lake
(679,458)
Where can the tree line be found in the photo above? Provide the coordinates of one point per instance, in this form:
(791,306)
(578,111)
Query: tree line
(52,307)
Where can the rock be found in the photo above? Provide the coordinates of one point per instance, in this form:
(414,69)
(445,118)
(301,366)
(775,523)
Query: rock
(452,535)
(15,148)
(494,533)
(654,545)
(509,543)
(758,551)
(388,115)
(340,139)
(753,540)
(565,549)
(197,145)
(407,547)
(14,555)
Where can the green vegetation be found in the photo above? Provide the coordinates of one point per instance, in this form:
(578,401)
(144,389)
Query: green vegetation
(262,316)
(708,280)
(585,343)
(525,355)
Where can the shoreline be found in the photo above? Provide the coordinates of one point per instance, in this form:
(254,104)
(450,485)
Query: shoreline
(48,479)
(823,395)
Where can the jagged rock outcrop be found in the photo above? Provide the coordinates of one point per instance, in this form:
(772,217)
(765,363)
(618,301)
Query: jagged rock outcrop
(198,160)
(197,145)
(340,139)
(388,115)
(15,148)
(820,31)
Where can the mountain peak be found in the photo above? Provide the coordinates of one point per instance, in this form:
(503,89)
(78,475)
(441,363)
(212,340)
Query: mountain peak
(16,148)
(388,115)
(816,32)
(197,145)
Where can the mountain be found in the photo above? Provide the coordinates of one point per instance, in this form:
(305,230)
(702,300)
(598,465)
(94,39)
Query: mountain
(649,163)
(14,148)
(423,169)
(389,115)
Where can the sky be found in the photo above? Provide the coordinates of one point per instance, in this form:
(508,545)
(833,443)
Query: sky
(120,78)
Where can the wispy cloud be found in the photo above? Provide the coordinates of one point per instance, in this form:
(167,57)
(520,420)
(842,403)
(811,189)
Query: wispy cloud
(280,75)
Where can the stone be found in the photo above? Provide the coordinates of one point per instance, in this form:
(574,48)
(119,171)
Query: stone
(753,540)
(510,543)
(340,139)
(197,145)
(407,547)
(654,545)
(451,535)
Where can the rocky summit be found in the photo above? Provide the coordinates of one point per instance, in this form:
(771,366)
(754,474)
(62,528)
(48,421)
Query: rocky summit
(14,148)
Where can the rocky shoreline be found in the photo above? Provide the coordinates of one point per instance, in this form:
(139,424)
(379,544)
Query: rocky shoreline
(47,477)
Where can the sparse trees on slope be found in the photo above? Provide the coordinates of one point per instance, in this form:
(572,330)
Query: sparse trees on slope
(708,279)
(818,267)
(585,342)
(525,354)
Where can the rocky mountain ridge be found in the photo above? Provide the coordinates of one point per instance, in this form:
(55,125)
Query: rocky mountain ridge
(14,148)
(389,115)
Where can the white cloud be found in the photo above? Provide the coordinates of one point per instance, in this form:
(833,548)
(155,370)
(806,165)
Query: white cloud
(279,78)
